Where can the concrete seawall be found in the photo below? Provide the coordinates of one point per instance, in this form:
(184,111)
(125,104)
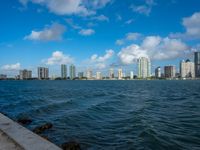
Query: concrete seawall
(15,137)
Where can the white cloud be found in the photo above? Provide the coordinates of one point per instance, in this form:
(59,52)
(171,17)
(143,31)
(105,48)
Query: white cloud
(70,7)
(130,54)
(192,27)
(129,21)
(131,36)
(101,61)
(72,24)
(49,33)
(119,42)
(58,58)
(101,18)
(145,8)
(11,67)
(86,32)
(154,47)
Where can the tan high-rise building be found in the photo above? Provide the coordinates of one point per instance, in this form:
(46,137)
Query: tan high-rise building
(25,74)
(120,74)
(170,71)
(98,76)
(187,69)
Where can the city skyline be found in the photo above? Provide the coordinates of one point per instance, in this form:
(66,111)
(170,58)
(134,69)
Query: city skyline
(88,36)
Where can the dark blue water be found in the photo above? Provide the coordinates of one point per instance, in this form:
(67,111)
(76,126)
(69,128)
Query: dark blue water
(110,114)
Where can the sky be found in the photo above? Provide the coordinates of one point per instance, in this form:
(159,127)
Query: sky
(96,34)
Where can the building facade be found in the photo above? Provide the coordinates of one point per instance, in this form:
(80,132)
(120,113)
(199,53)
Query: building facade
(98,76)
(120,74)
(43,73)
(89,74)
(170,71)
(64,71)
(72,72)
(25,74)
(187,69)
(131,75)
(197,64)
(111,74)
(144,67)
(80,75)
(158,72)
(3,77)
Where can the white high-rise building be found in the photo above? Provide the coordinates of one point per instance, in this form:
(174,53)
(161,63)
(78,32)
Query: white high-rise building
(89,74)
(43,73)
(98,76)
(25,74)
(144,67)
(120,74)
(111,73)
(187,69)
(158,72)
(131,75)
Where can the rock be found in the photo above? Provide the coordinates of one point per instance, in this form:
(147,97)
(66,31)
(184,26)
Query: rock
(71,146)
(42,128)
(24,121)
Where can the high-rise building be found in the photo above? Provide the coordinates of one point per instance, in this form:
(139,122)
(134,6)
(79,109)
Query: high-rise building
(144,67)
(131,75)
(197,64)
(170,71)
(43,73)
(63,71)
(158,72)
(3,77)
(25,74)
(111,73)
(120,74)
(80,75)
(72,72)
(187,69)
(98,75)
(89,74)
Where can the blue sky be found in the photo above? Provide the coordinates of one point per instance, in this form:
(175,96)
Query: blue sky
(96,34)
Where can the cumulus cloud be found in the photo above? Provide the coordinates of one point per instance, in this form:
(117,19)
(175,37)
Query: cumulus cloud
(131,36)
(129,21)
(192,27)
(11,67)
(58,58)
(154,47)
(70,7)
(100,61)
(71,23)
(49,33)
(86,32)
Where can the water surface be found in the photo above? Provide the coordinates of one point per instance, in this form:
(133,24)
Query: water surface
(110,114)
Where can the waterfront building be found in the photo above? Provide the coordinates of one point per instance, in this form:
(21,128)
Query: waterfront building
(43,73)
(187,69)
(111,74)
(89,74)
(80,75)
(72,72)
(131,75)
(98,76)
(3,77)
(158,72)
(63,71)
(25,74)
(170,71)
(197,64)
(144,67)
(120,74)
